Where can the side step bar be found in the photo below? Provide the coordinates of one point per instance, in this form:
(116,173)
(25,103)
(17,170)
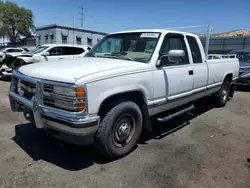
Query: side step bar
(176,114)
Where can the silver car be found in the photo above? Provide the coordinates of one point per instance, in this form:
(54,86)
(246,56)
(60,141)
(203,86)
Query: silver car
(244,73)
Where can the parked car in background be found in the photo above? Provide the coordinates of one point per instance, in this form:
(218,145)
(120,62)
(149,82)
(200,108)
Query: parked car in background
(107,98)
(43,53)
(12,51)
(244,73)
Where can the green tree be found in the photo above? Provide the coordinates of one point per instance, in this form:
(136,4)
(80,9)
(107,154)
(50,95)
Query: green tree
(15,21)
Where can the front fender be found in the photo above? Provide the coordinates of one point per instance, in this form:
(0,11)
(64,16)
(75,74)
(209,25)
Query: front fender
(100,90)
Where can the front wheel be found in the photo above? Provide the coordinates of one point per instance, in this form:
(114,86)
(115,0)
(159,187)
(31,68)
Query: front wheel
(119,130)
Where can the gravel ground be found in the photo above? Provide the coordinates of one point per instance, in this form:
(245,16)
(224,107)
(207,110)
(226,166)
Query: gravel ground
(208,148)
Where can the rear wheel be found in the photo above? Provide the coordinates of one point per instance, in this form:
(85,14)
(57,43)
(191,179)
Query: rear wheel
(119,130)
(223,94)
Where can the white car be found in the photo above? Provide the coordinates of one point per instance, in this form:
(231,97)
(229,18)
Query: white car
(10,50)
(106,98)
(47,52)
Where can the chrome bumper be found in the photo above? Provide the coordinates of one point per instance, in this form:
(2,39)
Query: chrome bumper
(51,119)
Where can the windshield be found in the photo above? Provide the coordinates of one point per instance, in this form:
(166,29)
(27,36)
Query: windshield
(130,46)
(37,50)
(244,57)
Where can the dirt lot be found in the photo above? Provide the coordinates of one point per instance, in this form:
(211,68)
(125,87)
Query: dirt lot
(206,149)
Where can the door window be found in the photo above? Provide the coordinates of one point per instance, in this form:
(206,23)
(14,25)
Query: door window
(174,42)
(195,49)
(77,51)
(65,51)
(56,51)
(14,50)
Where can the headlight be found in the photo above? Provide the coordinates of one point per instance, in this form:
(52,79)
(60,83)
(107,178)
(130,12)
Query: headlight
(66,91)
(66,98)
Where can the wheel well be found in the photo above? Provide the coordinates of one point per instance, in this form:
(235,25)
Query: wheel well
(135,96)
(229,77)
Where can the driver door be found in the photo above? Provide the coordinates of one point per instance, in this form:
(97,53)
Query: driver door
(178,76)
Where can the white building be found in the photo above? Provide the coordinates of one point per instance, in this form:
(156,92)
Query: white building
(58,34)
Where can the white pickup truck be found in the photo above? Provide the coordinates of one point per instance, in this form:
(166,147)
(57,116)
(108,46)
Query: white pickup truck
(106,98)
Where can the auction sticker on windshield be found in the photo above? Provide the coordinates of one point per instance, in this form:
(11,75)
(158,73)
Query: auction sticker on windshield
(151,35)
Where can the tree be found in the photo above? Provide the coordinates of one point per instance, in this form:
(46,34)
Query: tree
(15,21)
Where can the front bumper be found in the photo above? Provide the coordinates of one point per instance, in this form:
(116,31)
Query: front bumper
(65,125)
(5,71)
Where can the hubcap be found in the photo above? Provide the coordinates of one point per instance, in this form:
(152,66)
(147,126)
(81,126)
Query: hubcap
(123,130)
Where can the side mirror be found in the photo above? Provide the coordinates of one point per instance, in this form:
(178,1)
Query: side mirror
(176,55)
(46,54)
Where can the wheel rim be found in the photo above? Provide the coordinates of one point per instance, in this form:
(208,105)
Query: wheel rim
(123,130)
(224,94)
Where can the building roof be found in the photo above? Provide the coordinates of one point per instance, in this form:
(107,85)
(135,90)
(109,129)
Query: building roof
(51,26)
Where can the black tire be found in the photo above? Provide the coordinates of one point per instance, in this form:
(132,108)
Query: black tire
(232,90)
(1,75)
(112,138)
(223,94)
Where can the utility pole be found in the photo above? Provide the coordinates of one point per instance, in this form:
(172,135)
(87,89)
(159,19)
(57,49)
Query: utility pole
(81,14)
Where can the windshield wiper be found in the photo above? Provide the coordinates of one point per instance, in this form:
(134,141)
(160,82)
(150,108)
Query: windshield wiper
(120,55)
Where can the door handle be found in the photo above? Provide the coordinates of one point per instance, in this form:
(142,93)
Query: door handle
(191,72)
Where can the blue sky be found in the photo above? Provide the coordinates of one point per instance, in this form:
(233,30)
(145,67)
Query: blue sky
(116,15)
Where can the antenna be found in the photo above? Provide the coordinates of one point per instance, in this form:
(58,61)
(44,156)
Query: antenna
(81,14)
(73,30)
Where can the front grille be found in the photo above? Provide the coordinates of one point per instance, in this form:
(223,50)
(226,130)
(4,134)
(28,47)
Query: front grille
(47,88)
(48,102)
(26,89)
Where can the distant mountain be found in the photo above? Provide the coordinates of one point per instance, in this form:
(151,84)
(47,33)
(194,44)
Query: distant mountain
(239,32)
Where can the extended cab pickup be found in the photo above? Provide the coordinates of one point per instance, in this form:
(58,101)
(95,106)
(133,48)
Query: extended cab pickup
(106,98)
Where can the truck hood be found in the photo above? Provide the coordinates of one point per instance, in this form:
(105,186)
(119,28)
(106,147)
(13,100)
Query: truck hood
(70,70)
